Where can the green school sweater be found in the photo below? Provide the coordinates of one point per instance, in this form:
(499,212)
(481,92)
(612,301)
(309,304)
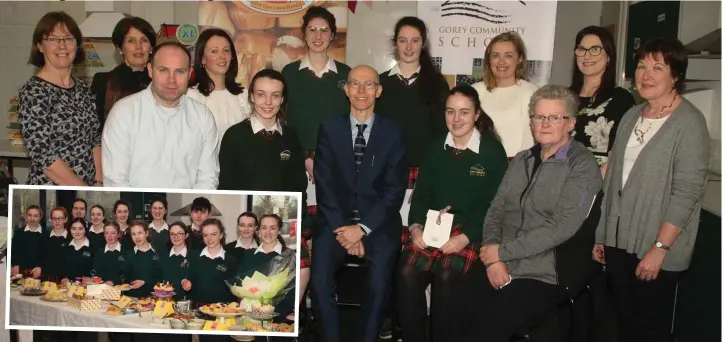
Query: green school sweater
(126,241)
(27,248)
(110,265)
(197,243)
(77,263)
(160,241)
(311,99)
(53,252)
(208,278)
(176,268)
(238,252)
(422,123)
(97,240)
(467,182)
(142,266)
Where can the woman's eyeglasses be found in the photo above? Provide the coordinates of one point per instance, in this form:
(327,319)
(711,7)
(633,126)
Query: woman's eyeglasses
(595,50)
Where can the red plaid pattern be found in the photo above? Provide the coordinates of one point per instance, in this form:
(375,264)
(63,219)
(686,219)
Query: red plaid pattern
(430,257)
(413,176)
(311,210)
(305,254)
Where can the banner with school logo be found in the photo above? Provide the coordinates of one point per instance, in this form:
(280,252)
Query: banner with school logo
(459,32)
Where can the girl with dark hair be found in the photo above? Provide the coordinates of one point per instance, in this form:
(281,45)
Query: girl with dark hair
(158,227)
(109,260)
(271,245)
(27,252)
(414,92)
(142,262)
(214,85)
(175,264)
(315,82)
(263,152)
(460,176)
(134,38)
(601,103)
(121,211)
(96,231)
(77,255)
(247,239)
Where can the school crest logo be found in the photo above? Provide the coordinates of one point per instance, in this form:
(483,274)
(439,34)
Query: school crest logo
(121,258)
(221,268)
(86,254)
(156,258)
(184,264)
(286,155)
(477,170)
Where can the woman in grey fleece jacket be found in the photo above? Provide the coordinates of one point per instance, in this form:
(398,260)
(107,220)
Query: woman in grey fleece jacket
(655,180)
(543,199)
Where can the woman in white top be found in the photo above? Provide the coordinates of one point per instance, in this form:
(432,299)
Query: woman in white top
(214,85)
(505,93)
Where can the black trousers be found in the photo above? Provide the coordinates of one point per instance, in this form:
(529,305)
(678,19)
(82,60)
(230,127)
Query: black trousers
(645,310)
(448,289)
(497,315)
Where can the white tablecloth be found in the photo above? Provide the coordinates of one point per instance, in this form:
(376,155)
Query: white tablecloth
(30,310)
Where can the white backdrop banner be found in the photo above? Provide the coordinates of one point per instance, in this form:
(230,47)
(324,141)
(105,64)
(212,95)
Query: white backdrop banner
(459,32)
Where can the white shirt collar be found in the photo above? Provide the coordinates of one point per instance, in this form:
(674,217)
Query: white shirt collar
(135,249)
(182,253)
(162,228)
(86,243)
(221,254)
(257,126)
(472,144)
(240,245)
(277,248)
(330,66)
(396,71)
(63,234)
(92,230)
(116,248)
(37,229)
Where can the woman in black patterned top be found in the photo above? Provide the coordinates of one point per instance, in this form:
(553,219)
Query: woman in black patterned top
(601,103)
(57,111)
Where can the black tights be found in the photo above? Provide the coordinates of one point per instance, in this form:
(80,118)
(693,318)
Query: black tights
(447,294)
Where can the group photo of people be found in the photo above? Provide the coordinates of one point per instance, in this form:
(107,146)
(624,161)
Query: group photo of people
(179,247)
(527,194)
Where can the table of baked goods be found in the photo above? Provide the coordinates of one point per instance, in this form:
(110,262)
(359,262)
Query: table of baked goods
(30,310)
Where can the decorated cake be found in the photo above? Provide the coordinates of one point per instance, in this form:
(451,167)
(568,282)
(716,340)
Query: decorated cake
(164,288)
(84,303)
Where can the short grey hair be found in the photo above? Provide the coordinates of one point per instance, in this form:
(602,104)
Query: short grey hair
(555,92)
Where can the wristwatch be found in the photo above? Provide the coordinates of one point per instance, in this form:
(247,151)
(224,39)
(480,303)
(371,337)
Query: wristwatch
(661,245)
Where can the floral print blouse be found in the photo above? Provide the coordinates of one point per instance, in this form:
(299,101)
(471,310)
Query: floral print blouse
(598,119)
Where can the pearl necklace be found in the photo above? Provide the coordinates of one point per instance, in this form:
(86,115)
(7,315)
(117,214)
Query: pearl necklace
(638,132)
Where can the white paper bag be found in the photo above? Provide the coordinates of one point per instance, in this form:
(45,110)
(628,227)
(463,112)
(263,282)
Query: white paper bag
(436,235)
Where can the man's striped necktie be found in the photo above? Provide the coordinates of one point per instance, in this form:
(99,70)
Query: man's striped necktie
(359,145)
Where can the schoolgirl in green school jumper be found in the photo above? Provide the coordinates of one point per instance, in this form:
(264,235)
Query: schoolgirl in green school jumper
(121,210)
(247,239)
(414,92)
(460,176)
(142,263)
(271,245)
(53,245)
(210,268)
(200,211)
(26,257)
(109,260)
(96,234)
(175,264)
(159,228)
(78,254)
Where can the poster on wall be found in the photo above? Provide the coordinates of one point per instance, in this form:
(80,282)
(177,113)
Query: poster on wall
(267,34)
(459,32)
(100,56)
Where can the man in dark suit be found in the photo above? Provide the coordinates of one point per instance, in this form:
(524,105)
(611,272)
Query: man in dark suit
(361,178)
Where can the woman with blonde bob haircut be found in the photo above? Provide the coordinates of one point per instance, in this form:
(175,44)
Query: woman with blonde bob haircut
(505,92)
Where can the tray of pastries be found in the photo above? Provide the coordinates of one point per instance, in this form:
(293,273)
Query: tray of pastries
(222,310)
(55,296)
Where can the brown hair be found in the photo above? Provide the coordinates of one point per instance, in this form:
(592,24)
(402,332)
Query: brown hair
(520,72)
(215,222)
(60,209)
(114,225)
(45,26)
